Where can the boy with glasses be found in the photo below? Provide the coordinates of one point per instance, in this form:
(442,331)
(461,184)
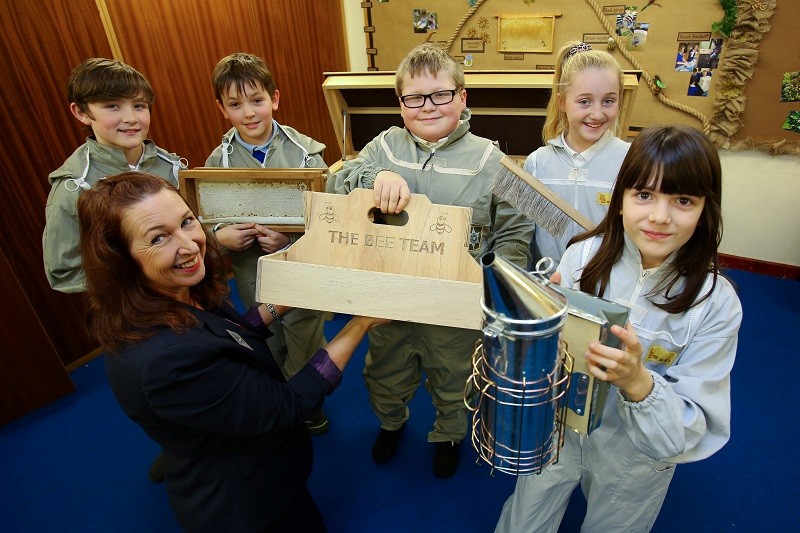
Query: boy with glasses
(435,155)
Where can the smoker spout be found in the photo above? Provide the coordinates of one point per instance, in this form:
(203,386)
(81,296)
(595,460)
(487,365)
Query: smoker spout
(515,293)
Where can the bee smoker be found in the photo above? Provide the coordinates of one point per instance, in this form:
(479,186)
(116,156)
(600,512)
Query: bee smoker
(520,375)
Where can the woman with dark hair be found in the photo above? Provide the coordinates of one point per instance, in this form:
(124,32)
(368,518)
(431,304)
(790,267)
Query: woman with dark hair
(193,373)
(656,252)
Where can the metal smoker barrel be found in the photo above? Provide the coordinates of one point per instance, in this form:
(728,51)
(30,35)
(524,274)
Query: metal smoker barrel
(519,374)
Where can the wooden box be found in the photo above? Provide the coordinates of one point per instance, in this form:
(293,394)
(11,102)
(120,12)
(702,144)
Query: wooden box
(269,196)
(507,106)
(414,267)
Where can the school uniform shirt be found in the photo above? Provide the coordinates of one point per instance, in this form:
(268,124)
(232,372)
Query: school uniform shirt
(453,171)
(690,355)
(88,164)
(236,449)
(585,180)
(288,148)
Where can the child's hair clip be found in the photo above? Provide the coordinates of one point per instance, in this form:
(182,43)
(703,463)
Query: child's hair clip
(578,48)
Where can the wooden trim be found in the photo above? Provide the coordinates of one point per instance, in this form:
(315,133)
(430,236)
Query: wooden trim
(760,267)
(108,26)
(345,38)
(85,359)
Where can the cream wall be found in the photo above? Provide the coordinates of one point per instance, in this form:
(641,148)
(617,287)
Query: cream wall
(761,193)
(761,206)
(356,42)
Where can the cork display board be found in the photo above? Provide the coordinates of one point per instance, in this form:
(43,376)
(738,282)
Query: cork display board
(681,55)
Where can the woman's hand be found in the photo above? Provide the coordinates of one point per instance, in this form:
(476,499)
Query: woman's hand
(370,322)
(623,367)
(342,346)
(391,192)
(271,241)
(236,237)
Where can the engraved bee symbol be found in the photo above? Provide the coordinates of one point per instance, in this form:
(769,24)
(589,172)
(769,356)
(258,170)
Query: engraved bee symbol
(474,238)
(328,215)
(441,225)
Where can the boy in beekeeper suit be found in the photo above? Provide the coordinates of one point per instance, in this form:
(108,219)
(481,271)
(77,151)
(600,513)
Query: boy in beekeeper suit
(435,155)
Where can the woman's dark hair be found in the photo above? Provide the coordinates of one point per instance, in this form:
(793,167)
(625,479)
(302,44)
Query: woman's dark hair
(685,162)
(123,309)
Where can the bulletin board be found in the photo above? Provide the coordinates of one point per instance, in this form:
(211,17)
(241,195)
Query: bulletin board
(684,81)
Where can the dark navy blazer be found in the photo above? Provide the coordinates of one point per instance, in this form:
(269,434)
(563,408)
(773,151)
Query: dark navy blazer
(231,427)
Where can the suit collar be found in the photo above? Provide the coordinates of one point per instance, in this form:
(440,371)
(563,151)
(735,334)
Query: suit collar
(222,320)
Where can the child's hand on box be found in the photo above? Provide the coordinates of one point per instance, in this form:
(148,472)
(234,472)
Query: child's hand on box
(271,241)
(391,192)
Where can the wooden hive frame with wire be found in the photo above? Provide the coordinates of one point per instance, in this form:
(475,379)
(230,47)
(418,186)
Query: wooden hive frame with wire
(269,196)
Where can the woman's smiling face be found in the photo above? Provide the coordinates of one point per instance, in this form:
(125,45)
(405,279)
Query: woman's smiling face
(167,242)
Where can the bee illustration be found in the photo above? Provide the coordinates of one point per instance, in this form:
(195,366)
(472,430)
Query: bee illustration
(474,238)
(441,225)
(328,215)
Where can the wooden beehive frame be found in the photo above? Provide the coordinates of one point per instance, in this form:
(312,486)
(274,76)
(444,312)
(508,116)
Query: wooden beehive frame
(270,196)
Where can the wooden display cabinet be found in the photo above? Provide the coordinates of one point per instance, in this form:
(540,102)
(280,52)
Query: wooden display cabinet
(507,106)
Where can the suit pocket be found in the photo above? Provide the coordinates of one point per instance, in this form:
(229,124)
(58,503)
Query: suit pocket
(643,480)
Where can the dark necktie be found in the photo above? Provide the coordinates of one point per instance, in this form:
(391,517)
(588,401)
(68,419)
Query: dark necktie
(258,154)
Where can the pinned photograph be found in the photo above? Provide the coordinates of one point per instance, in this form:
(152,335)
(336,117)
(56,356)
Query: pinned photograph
(792,122)
(790,87)
(699,82)
(634,34)
(688,55)
(433,22)
(709,54)
(626,21)
(420,20)
(637,39)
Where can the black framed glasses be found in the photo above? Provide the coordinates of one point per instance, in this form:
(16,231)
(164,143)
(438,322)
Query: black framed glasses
(414,101)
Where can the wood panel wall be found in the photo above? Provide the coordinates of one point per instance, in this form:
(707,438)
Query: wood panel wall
(175,44)
(41,42)
(33,374)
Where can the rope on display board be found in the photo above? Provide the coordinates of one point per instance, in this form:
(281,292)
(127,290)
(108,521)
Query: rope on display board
(460,25)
